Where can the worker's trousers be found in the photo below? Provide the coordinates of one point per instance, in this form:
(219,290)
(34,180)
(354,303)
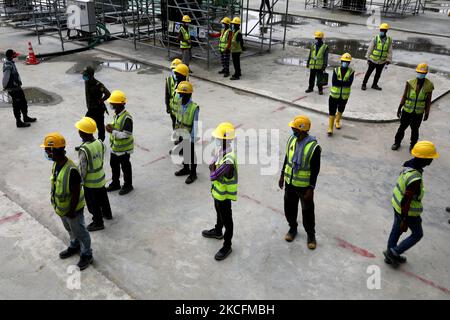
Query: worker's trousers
(98,114)
(225,58)
(98,204)
(189,157)
(79,236)
(313,74)
(378,69)
(336,104)
(123,162)
(412,120)
(224,219)
(237,64)
(186,56)
(414,224)
(292,196)
(19,103)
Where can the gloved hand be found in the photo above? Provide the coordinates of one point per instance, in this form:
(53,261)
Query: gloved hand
(404,225)
(425,118)
(281,182)
(399,112)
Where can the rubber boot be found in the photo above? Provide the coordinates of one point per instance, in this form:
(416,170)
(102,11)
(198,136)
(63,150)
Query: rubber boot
(338,120)
(330,125)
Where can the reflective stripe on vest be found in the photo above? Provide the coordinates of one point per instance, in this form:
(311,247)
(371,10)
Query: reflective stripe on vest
(236,45)
(185,119)
(416,103)
(380,50)
(170,83)
(223,40)
(224,188)
(341,92)
(95,175)
(408,176)
(317,58)
(61,196)
(121,145)
(302,177)
(184,44)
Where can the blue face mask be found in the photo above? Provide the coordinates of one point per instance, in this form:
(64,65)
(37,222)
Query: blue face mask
(47,156)
(174,75)
(85,78)
(421,75)
(295,133)
(178,96)
(345,64)
(224,25)
(382,33)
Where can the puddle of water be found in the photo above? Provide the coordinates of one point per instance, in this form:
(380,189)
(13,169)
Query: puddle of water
(333,24)
(33,96)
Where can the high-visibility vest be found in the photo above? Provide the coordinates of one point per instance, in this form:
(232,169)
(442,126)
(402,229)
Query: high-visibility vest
(341,92)
(61,197)
(95,175)
(121,145)
(316,60)
(185,43)
(224,188)
(417,102)
(302,177)
(380,51)
(236,45)
(223,40)
(170,83)
(185,119)
(408,176)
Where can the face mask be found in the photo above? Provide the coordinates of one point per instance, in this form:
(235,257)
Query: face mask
(295,133)
(47,156)
(421,75)
(382,33)
(178,96)
(218,143)
(345,64)
(224,25)
(85,77)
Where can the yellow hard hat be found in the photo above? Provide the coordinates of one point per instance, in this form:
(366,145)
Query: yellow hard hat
(384,26)
(225,130)
(318,34)
(184,87)
(236,20)
(346,57)
(175,62)
(86,125)
(182,69)
(117,96)
(422,68)
(226,20)
(186,18)
(425,150)
(301,123)
(54,140)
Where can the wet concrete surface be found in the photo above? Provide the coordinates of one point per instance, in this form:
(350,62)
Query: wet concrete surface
(34,96)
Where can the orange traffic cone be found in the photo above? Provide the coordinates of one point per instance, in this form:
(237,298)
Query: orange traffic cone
(31,58)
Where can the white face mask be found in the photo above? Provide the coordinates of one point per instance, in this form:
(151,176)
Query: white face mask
(219,143)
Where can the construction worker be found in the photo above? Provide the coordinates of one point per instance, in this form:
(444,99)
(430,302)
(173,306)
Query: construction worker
(340,91)
(378,55)
(91,155)
(407,202)
(13,85)
(122,143)
(237,47)
(186,126)
(185,40)
(225,46)
(96,95)
(180,73)
(414,106)
(170,90)
(224,178)
(300,170)
(317,62)
(67,198)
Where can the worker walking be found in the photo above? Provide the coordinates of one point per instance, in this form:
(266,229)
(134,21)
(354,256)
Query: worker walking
(91,155)
(96,95)
(122,143)
(186,126)
(171,81)
(414,106)
(67,198)
(300,170)
(340,92)
(185,40)
(224,178)
(237,47)
(225,46)
(13,85)
(378,56)
(407,202)
(317,62)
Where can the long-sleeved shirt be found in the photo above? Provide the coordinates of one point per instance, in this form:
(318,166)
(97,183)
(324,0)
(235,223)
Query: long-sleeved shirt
(11,78)
(372,46)
(325,55)
(341,83)
(418,88)
(126,132)
(96,94)
(225,169)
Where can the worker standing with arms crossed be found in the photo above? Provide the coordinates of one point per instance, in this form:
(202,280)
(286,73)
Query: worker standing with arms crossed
(224,178)
(407,202)
(300,170)
(317,62)
(122,143)
(378,55)
(67,198)
(170,90)
(416,102)
(185,40)
(340,92)
(225,46)
(91,155)
(237,47)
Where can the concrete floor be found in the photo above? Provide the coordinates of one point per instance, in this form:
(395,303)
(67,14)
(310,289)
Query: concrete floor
(153,249)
